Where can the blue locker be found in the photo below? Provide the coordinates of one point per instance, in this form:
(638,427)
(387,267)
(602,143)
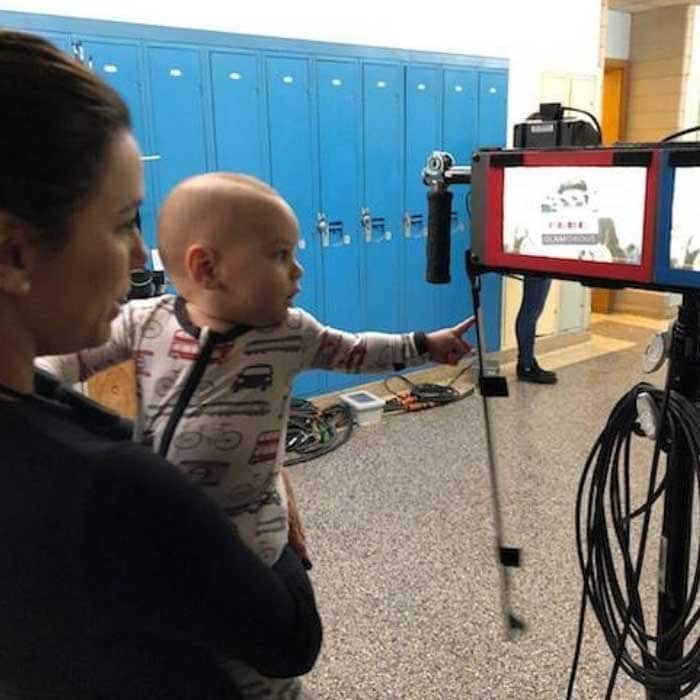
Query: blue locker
(238,128)
(338,88)
(460,138)
(383,189)
(292,174)
(422,137)
(493,95)
(120,66)
(176,115)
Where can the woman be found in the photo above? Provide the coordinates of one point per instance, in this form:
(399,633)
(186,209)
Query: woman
(117,578)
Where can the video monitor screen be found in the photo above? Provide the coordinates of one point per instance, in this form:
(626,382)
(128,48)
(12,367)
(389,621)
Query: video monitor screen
(586,213)
(685,220)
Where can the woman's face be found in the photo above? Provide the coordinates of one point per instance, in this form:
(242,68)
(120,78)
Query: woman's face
(75,292)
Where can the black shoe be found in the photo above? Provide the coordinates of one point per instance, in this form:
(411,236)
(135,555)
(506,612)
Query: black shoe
(536,374)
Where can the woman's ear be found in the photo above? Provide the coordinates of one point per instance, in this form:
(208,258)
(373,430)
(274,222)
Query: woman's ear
(17,255)
(201,263)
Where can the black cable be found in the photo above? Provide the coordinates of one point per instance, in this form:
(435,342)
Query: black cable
(424,395)
(591,116)
(312,432)
(197,370)
(683,132)
(604,495)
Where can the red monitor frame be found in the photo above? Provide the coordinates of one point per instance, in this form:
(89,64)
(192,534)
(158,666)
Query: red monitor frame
(488,169)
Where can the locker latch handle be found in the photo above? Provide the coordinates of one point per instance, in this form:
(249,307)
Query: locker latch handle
(366,221)
(411,220)
(322,226)
(335,229)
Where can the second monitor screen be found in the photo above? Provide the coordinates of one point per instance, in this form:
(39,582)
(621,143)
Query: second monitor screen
(685,220)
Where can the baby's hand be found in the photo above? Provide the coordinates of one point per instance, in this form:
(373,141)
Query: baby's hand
(447,346)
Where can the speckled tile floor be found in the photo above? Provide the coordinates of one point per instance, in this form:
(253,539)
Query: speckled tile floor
(400,527)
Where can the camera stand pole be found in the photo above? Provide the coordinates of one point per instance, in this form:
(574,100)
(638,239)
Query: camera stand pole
(684,378)
(508,557)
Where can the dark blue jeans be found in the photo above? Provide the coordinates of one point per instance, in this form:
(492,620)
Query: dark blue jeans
(535,291)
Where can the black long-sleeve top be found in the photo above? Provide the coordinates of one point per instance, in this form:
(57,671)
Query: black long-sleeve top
(118,579)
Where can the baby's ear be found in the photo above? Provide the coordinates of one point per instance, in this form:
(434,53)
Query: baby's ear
(202,265)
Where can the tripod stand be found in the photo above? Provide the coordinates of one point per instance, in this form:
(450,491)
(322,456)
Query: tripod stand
(683,378)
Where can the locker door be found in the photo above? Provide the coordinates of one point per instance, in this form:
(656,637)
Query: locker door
(176,115)
(493,96)
(120,66)
(460,129)
(422,137)
(238,132)
(383,180)
(338,88)
(291,160)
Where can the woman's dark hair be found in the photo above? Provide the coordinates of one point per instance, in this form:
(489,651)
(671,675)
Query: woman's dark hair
(57,120)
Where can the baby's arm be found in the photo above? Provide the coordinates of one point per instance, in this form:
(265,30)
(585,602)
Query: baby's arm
(79,366)
(330,348)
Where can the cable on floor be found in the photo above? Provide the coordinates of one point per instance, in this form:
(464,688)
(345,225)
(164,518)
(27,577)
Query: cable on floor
(419,397)
(312,432)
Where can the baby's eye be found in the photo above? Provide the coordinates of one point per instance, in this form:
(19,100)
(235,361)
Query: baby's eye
(282,255)
(129,226)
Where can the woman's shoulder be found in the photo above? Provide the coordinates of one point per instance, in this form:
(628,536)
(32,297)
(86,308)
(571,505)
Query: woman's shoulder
(77,434)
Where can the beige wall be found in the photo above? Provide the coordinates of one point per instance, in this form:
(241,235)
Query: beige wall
(660,51)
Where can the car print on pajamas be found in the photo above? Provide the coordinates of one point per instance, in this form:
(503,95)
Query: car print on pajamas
(253,377)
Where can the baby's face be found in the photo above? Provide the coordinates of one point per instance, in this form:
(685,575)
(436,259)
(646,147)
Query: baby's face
(260,271)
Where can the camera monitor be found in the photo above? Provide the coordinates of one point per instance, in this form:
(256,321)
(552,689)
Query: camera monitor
(574,213)
(678,242)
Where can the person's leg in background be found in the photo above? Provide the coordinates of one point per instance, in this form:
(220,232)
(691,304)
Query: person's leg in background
(535,291)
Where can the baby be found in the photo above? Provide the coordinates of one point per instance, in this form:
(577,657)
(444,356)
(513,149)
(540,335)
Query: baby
(214,364)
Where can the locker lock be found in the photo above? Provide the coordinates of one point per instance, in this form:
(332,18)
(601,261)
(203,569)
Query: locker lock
(366,221)
(322,226)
